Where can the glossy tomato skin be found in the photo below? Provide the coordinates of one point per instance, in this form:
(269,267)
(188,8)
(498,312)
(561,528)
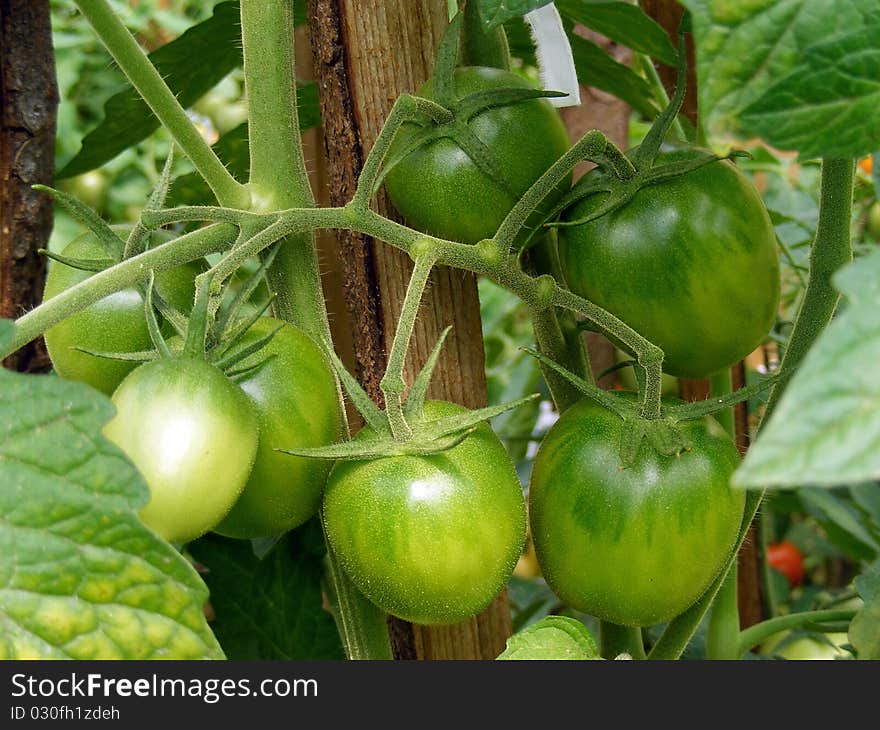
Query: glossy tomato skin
(116,323)
(193,434)
(787,559)
(431,539)
(690,264)
(294,394)
(439,189)
(633,546)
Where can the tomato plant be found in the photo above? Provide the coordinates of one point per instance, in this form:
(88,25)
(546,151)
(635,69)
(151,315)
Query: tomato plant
(431,539)
(439,189)
(114,324)
(699,248)
(294,393)
(727,235)
(635,545)
(193,435)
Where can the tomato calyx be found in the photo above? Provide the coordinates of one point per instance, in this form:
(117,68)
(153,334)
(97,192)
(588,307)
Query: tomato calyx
(664,433)
(427,435)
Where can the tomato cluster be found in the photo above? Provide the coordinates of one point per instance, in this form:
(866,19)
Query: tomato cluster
(689,262)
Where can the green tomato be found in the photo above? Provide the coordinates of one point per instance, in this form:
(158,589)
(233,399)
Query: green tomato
(116,323)
(806,646)
(689,263)
(294,394)
(431,539)
(192,434)
(441,191)
(90,188)
(633,546)
(873,223)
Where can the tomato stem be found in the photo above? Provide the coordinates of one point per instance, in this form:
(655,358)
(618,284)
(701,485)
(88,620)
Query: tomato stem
(392,383)
(162,101)
(479,47)
(615,640)
(759,633)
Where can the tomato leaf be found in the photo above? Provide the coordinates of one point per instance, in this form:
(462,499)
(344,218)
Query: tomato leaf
(494,12)
(826,428)
(802,74)
(864,631)
(596,68)
(624,23)
(82,577)
(553,637)
(269,608)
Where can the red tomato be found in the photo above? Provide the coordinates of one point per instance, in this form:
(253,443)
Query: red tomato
(787,559)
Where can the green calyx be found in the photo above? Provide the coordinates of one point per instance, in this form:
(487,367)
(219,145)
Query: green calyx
(664,433)
(424,435)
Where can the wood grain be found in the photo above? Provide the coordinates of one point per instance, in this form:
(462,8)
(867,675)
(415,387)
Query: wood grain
(365,55)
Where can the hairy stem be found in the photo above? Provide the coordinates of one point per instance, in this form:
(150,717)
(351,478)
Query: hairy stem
(155,92)
(616,640)
(392,384)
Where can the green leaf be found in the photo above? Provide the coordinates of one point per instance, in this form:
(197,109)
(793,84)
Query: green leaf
(864,631)
(269,608)
(867,497)
(802,74)
(495,12)
(216,43)
(81,577)
(826,429)
(233,151)
(841,521)
(553,637)
(624,23)
(596,68)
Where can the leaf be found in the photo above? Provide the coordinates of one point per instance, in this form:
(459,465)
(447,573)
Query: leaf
(826,428)
(553,637)
(867,497)
(81,576)
(233,151)
(803,74)
(841,521)
(269,608)
(596,68)
(495,12)
(864,631)
(624,23)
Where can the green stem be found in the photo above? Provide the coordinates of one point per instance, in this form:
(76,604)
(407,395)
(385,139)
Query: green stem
(615,640)
(131,272)
(831,249)
(759,633)
(279,179)
(155,92)
(722,637)
(392,384)
(654,81)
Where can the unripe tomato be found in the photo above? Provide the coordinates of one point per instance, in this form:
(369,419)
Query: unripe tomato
(90,188)
(440,190)
(431,539)
(787,559)
(294,395)
(689,263)
(116,323)
(637,545)
(192,434)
